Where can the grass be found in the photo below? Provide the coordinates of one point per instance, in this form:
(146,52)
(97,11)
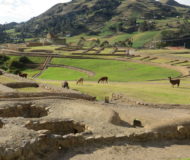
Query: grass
(62,74)
(116,70)
(31,72)
(4,79)
(141,39)
(51,47)
(159,92)
(37,59)
(163,51)
(31,89)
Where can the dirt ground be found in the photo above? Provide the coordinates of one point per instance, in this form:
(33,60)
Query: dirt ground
(97,115)
(145,151)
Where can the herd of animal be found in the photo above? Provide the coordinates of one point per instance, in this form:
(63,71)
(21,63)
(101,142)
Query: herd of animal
(81,80)
(103,80)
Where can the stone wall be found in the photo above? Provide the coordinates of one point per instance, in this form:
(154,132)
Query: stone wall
(22,84)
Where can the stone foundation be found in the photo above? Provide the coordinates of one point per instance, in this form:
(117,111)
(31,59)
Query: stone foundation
(26,110)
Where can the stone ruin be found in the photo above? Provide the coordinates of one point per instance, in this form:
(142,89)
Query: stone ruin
(26,110)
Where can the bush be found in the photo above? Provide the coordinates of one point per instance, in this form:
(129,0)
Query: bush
(16,64)
(24,60)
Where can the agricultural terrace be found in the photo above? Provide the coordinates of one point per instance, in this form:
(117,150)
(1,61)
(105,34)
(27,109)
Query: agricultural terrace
(142,77)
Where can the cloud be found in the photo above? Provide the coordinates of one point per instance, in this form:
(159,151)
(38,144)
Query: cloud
(187,2)
(23,10)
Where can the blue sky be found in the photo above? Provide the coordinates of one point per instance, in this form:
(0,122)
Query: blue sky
(23,10)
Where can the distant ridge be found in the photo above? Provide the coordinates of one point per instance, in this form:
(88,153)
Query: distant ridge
(92,16)
(173,3)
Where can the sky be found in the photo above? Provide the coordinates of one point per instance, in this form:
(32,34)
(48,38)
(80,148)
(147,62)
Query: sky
(23,10)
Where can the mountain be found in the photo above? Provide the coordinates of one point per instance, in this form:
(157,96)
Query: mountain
(93,16)
(173,3)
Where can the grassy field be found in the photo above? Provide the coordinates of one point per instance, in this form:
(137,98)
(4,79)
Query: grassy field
(62,74)
(31,72)
(116,70)
(140,39)
(159,92)
(165,51)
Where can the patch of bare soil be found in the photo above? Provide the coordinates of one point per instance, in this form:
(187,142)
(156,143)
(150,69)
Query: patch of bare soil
(119,151)
(80,129)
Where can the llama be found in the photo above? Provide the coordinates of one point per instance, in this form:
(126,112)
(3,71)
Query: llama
(80,81)
(24,75)
(65,85)
(103,79)
(174,82)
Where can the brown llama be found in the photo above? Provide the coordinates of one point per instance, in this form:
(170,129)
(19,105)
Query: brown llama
(24,75)
(103,79)
(80,81)
(174,81)
(65,85)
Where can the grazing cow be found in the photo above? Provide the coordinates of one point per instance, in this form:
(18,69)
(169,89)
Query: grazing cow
(103,79)
(65,85)
(174,81)
(80,81)
(137,123)
(24,75)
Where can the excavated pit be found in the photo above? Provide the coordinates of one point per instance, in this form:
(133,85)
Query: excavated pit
(26,110)
(60,127)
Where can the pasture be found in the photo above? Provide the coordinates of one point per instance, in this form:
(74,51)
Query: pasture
(125,77)
(130,77)
(159,92)
(118,71)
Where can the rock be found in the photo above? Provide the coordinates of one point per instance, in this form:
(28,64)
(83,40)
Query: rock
(43,131)
(115,118)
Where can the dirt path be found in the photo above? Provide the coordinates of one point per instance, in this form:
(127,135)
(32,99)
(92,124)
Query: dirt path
(5,89)
(44,67)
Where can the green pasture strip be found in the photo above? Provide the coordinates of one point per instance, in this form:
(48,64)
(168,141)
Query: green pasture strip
(49,47)
(31,89)
(31,72)
(152,93)
(37,59)
(107,51)
(183,55)
(141,39)
(117,70)
(164,51)
(160,60)
(62,74)
(159,92)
